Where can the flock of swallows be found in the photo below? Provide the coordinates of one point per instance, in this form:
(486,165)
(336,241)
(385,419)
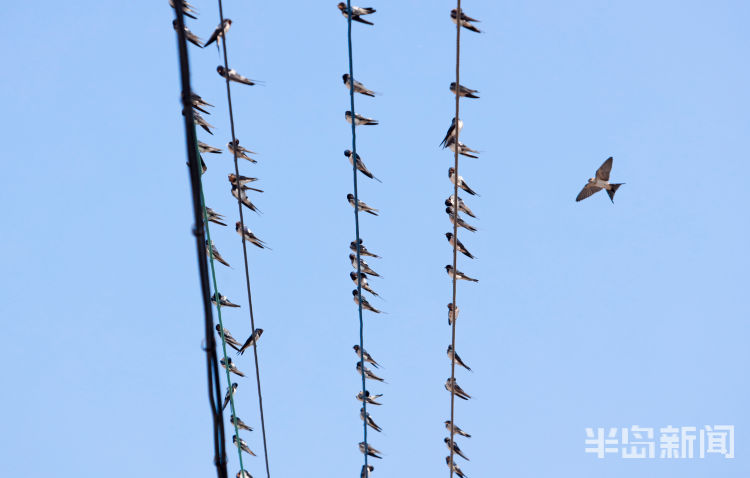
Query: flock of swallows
(239,189)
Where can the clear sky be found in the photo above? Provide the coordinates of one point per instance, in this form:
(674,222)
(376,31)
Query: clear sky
(586,314)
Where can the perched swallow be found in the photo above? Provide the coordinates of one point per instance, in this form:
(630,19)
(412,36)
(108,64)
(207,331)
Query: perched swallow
(232,367)
(362,205)
(464,91)
(244,474)
(362,265)
(362,249)
(358,87)
(205,148)
(365,416)
(451,132)
(366,470)
(368,398)
(458,274)
(198,103)
(361,166)
(234,76)
(252,340)
(365,305)
(243,445)
(242,180)
(230,393)
(220,31)
(187,9)
(211,251)
(240,424)
(223,301)
(463,150)
(465,21)
(461,183)
(367,358)
(600,181)
(455,467)
(450,202)
(461,223)
(457,244)
(365,285)
(456,358)
(451,315)
(200,121)
(241,151)
(190,36)
(359,119)
(231,341)
(214,216)
(369,451)
(368,373)
(248,235)
(456,449)
(452,386)
(357,13)
(242,196)
(455,429)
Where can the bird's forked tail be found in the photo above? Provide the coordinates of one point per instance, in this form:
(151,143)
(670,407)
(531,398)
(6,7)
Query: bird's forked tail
(611,192)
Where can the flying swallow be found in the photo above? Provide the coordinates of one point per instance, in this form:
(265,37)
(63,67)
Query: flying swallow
(252,340)
(234,76)
(232,367)
(451,132)
(205,148)
(230,393)
(200,121)
(365,416)
(214,216)
(465,21)
(220,31)
(361,166)
(368,398)
(242,196)
(452,386)
(464,91)
(223,301)
(365,285)
(456,358)
(456,449)
(458,274)
(240,424)
(463,150)
(359,119)
(450,202)
(365,305)
(357,13)
(231,341)
(600,181)
(451,315)
(367,358)
(366,470)
(455,467)
(461,183)
(241,151)
(362,265)
(369,450)
(242,180)
(362,205)
(362,249)
(244,474)
(457,244)
(198,102)
(211,251)
(358,87)
(456,429)
(187,9)
(243,445)
(368,373)
(190,36)
(248,235)
(461,223)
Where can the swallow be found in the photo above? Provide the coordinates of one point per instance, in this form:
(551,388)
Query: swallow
(252,340)
(205,148)
(365,416)
(248,236)
(457,244)
(230,393)
(451,132)
(366,470)
(456,429)
(242,180)
(214,217)
(367,358)
(600,181)
(200,121)
(362,249)
(211,251)
(362,205)
(187,9)
(451,315)
(365,285)
(190,36)
(362,265)
(465,21)
(461,223)
(244,474)
(455,467)
(359,119)
(234,76)
(463,150)
(452,386)
(358,87)
(365,305)
(242,196)
(463,91)
(450,202)
(456,358)
(243,445)
(458,274)
(368,398)
(461,183)
(231,341)
(368,373)
(361,166)
(220,31)
(198,103)
(369,451)
(223,301)
(232,367)
(237,421)
(456,449)
(357,13)
(241,151)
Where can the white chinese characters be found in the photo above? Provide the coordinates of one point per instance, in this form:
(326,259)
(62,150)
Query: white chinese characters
(638,442)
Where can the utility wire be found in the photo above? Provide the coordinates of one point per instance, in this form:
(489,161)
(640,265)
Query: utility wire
(244,245)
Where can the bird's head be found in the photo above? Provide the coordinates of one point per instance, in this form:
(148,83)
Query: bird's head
(342,6)
(347,153)
(350,197)
(345,77)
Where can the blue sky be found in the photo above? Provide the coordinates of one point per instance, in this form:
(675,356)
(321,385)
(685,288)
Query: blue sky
(586,315)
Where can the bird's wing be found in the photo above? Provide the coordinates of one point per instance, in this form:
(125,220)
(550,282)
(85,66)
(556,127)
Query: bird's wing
(603,171)
(587,191)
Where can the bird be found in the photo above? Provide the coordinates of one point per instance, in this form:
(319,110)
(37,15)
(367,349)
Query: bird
(450,202)
(243,445)
(211,251)
(458,274)
(190,36)
(461,183)
(240,180)
(456,449)
(365,356)
(252,340)
(452,386)
(232,367)
(237,421)
(366,470)
(369,398)
(248,235)
(362,205)
(197,102)
(241,152)
(214,216)
(357,13)
(220,31)
(463,150)
(362,249)
(456,358)
(205,148)
(461,223)
(359,119)
(240,194)
(368,373)
(452,315)
(231,341)
(358,87)
(365,416)
(365,305)
(463,91)
(361,166)
(362,265)
(369,451)
(223,301)
(455,429)
(187,9)
(465,21)
(457,244)
(230,393)
(451,132)
(234,76)
(200,121)
(244,474)
(455,467)
(600,181)
(365,285)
